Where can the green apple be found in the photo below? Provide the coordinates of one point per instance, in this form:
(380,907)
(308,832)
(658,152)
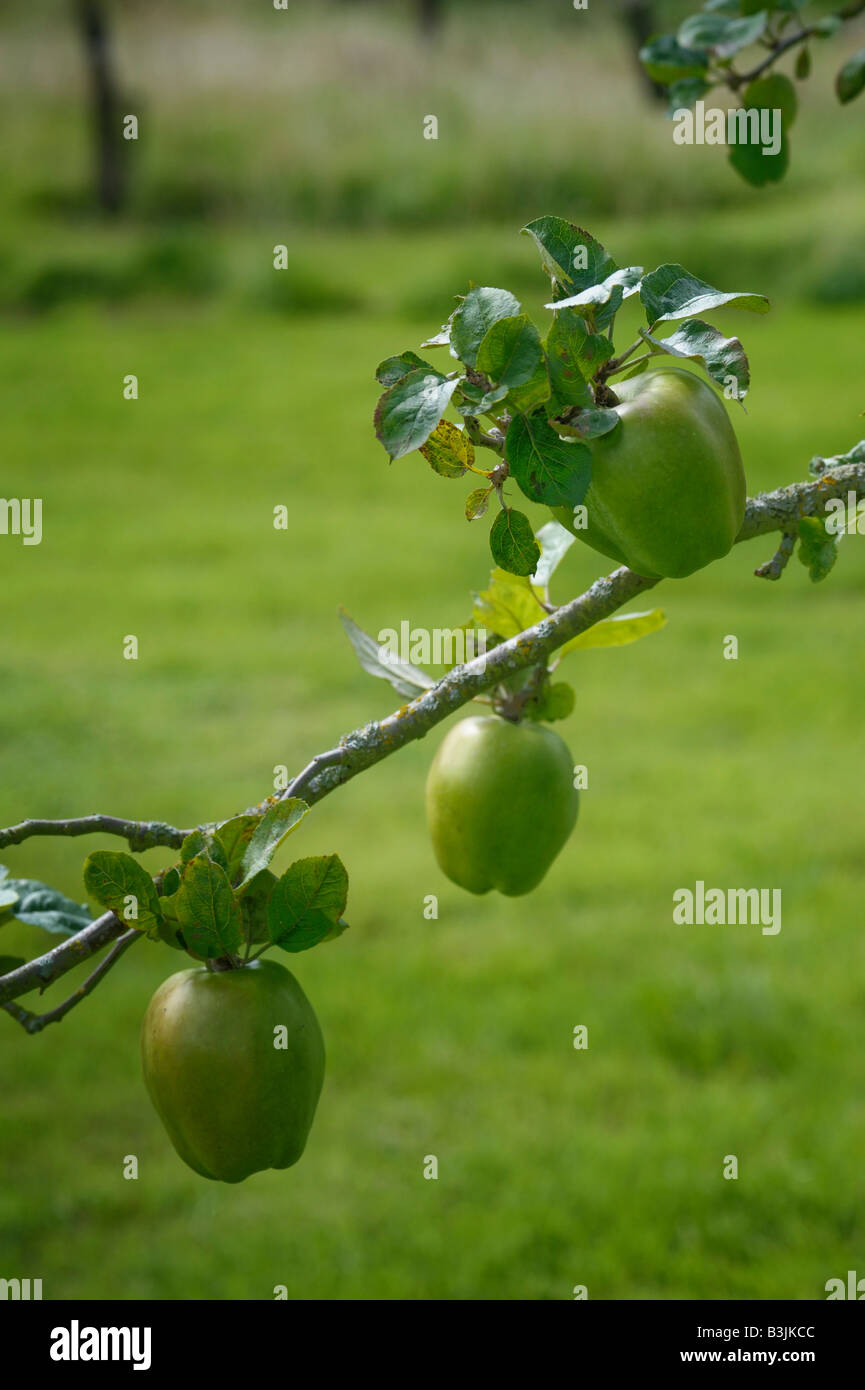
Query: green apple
(501,803)
(233,1099)
(667,494)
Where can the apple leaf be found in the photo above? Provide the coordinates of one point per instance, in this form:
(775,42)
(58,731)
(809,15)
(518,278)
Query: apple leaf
(511,352)
(406,679)
(546,468)
(113,878)
(571,257)
(307,903)
(481,308)
(587,424)
(275,825)
(566,350)
(207,910)
(722,35)
(618,631)
(818,547)
(34,903)
(477,502)
(512,542)
(508,606)
(723,358)
(233,836)
(555,541)
(626,280)
(851,79)
(448,451)
(393,369)
(408,412)
(666,61)
(671,292)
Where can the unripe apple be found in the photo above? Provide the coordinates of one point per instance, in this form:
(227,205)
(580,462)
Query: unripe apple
(667,494)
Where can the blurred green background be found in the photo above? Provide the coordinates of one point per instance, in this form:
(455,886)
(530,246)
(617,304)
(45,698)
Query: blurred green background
(450,1037)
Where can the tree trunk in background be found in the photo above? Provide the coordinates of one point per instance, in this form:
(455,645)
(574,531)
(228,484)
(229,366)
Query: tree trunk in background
(638,17)
(109,164)
(430,17)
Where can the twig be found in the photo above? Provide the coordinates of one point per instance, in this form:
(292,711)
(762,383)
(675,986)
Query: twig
(34,1023)
(774,568)
(42,971)
(318,763)
(735,80)
(140,834)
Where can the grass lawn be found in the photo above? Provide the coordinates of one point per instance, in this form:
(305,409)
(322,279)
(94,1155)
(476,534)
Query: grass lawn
(450,1037)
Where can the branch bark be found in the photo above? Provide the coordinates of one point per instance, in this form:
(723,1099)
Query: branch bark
(770,511)
(141,835)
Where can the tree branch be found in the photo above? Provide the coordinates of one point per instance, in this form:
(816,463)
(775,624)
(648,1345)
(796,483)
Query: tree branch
(735,80)
(770,511)
(34,1023)
(40,973)
(140,834)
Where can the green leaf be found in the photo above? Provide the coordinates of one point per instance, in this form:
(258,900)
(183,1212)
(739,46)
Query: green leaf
(851,79)
(34,903)
(666,61)
(588,424)
(477,502)
(170,884)
(758,168)
(408,412)
(480,309)
(393,369)
(111,877)
(525,399)
(443,337)
(555,542)
(700,342)
(774,92)
(10,963)
(253,906)
(510,353)
(556,701)
(803,64)
(628,281)
(818,548)
(380,661)
(755,161)
(826,27)
(508,606)
(685,94)
(512,543)
(571,257)
(8,897)
(277,823)
(195,843)
(566,348)
(546,468)
(616,632)
(720,34)
(448,451)
(307,903)
(234,835)
(671,292)
(208,911)
(474,399)
(336,930)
